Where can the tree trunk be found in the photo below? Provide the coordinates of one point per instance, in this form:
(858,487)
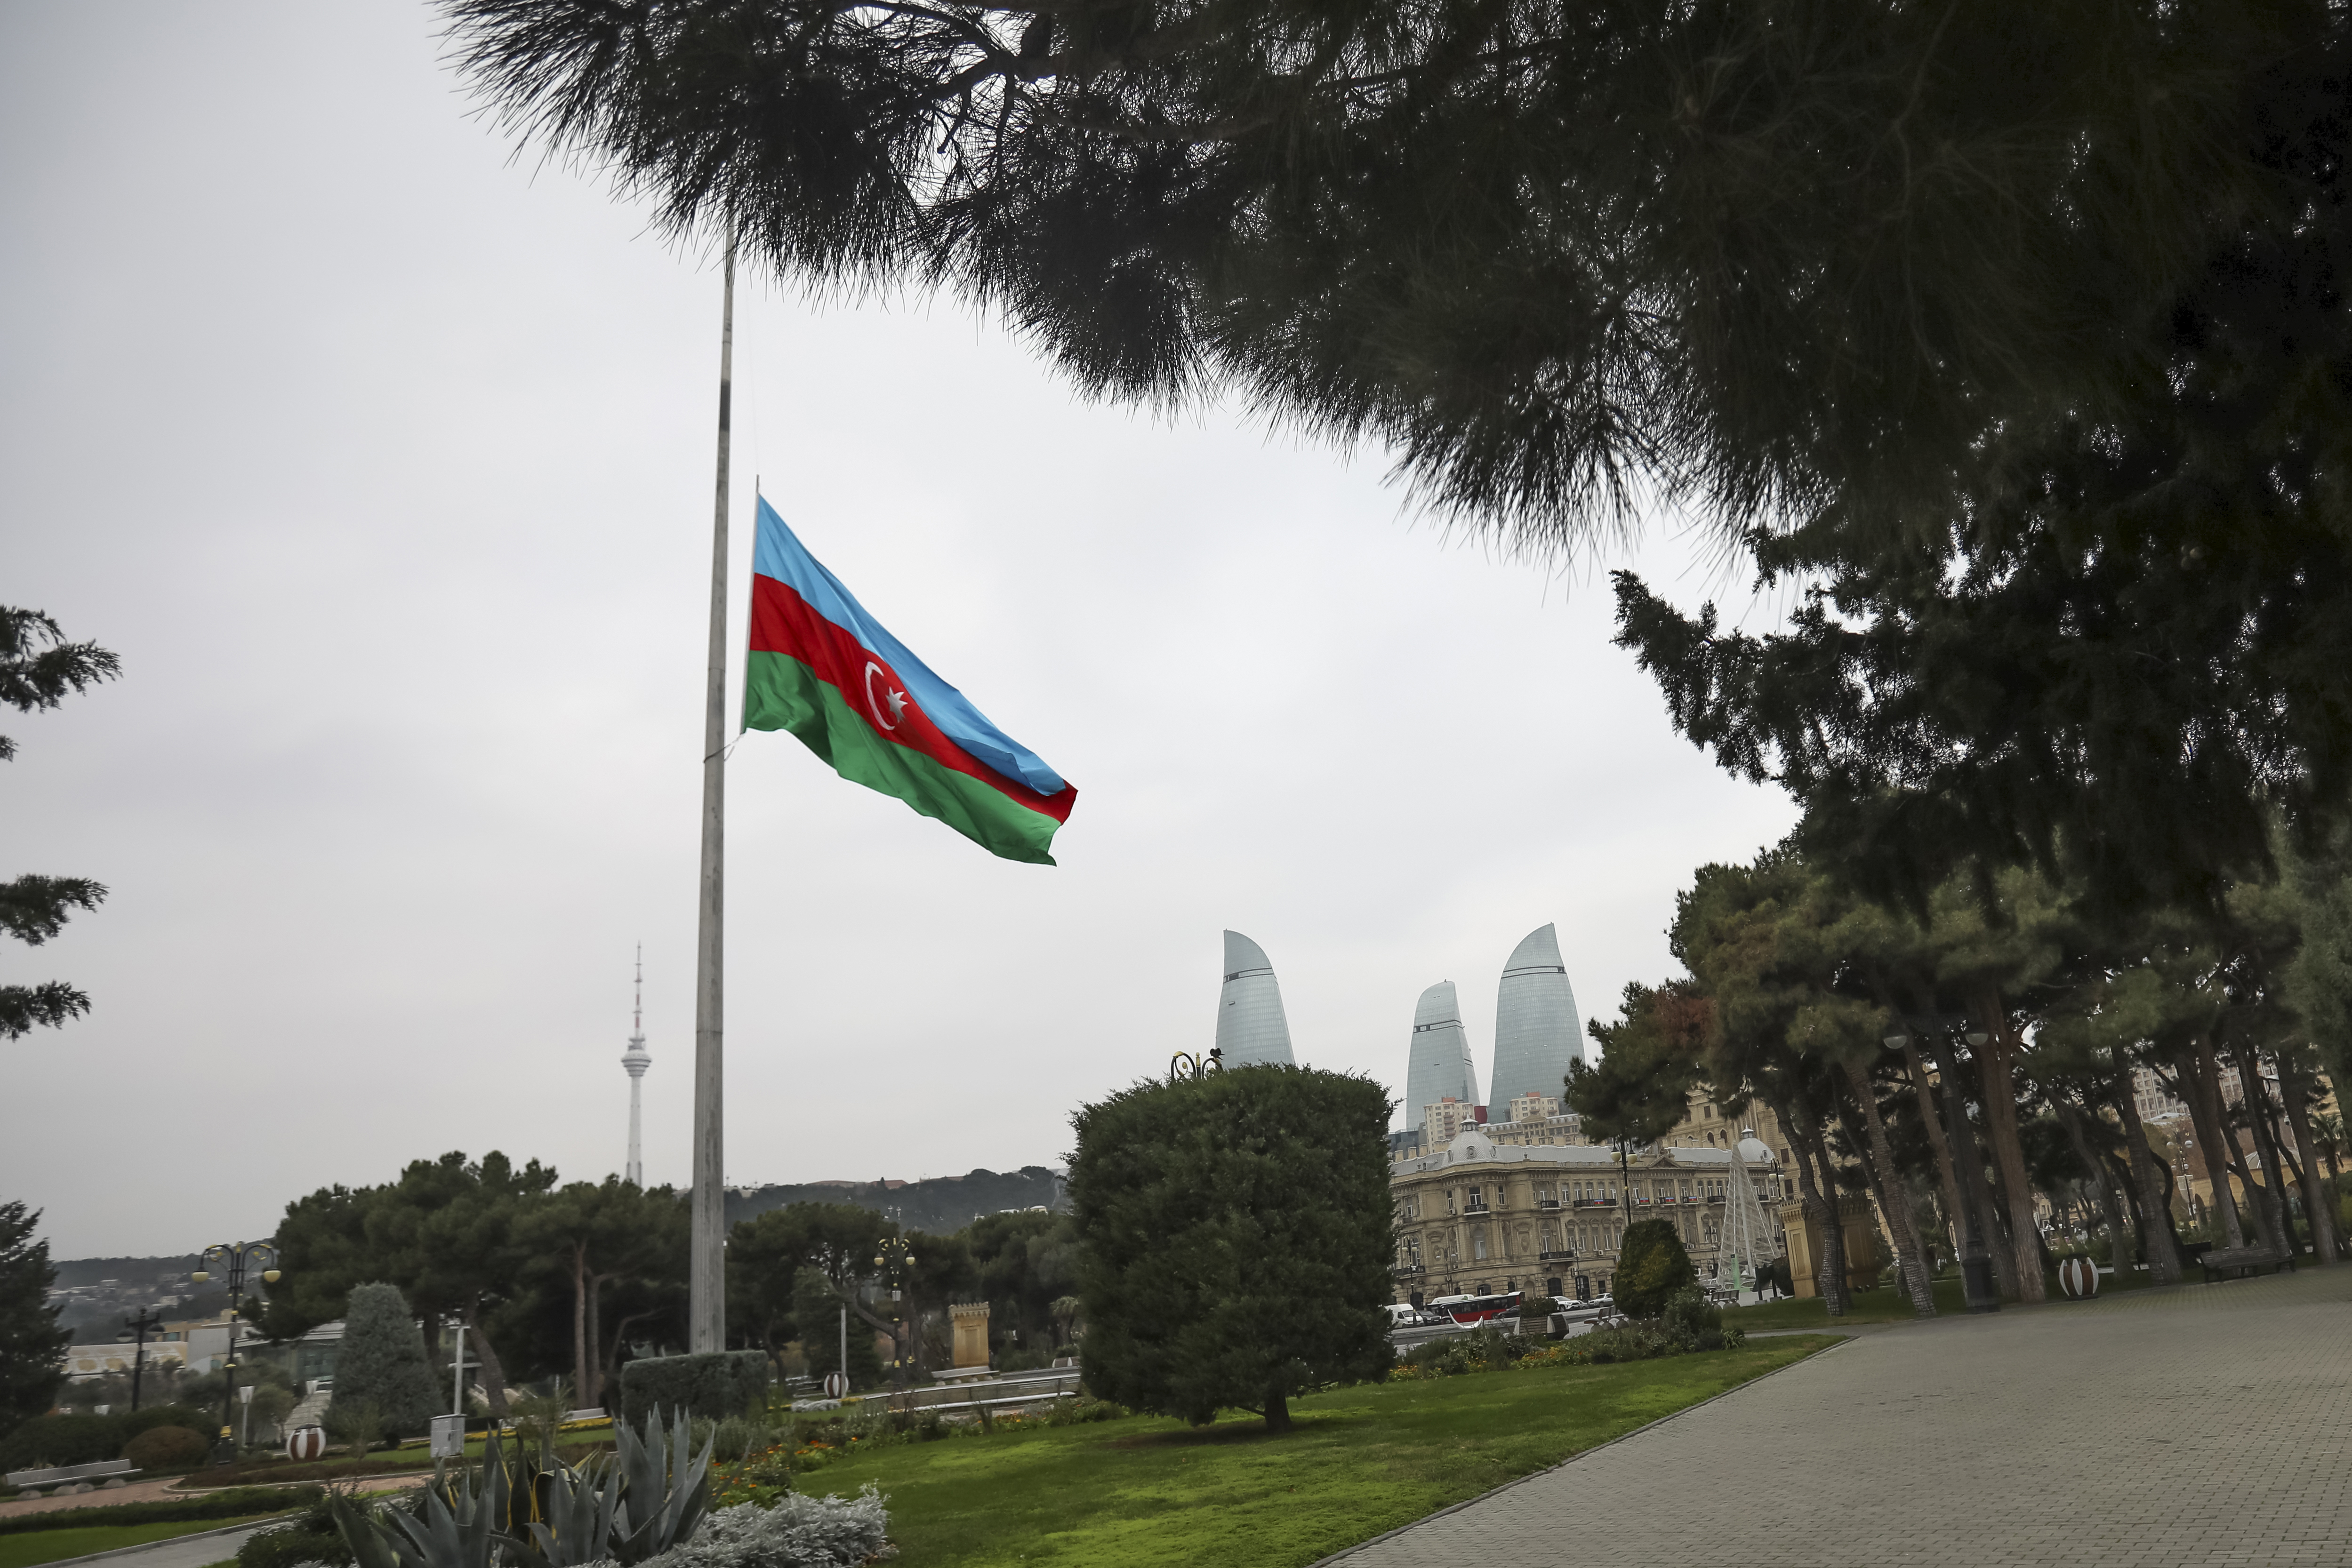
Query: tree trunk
(1278,1411)
(609,1374)
(494,1377)
(1933,1120)
(1894,1199)
(429,1321)
(2118,1238)
(2156,1237)
(2324,1248)
(2204,1097)
(2258,1201)
(580,1340)
(2266,1148)
(1982,1212)
(2000,1131)
(1829,1264)
(591,1393)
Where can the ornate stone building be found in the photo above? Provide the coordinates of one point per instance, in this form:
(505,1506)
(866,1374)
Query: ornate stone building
(1477,1217)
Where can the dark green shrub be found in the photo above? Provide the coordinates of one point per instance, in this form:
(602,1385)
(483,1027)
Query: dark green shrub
(1488,1349)
(1650,1267)
(383,1363)
(154,1416)
(309,1536)
(167,1448)
(1691,1321)
(1634,1342)
(46,1440)
(285,1547)
(713,1384)
(1071,1412)
(1236,1241)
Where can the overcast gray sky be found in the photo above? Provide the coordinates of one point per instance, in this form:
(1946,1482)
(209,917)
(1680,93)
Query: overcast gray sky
(384,461)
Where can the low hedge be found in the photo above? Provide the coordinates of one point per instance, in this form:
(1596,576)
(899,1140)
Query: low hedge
(293,1543)
(57,1440)
(233,1504)
(309,1536)
(712,1384)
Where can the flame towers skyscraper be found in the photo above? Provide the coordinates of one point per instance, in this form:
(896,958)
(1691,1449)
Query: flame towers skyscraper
(1440,1067)
(1251,1029)
(635,1060)
(1535,1031)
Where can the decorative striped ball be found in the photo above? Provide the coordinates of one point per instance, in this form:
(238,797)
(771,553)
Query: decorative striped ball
(307,1443)
(2079,1278)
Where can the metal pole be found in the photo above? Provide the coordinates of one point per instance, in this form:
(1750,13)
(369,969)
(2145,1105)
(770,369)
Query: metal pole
(139,1326)
(457,1371)
(844,1346)
(228,1367)
(706,1294)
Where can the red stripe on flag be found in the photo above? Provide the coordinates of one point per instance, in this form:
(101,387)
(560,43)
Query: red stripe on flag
(784,622)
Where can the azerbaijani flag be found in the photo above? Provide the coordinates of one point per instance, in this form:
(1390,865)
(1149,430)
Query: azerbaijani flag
(823,668)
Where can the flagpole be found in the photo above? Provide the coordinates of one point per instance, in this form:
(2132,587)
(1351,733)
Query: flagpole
(706,1291)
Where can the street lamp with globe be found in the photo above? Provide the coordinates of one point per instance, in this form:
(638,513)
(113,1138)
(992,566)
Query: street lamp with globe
(892,1262)
(234,1260)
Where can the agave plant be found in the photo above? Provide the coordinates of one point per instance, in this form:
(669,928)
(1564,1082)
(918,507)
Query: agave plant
(459,1523)
(648,1496)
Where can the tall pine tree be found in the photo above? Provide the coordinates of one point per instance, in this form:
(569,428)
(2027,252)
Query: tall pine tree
(31,1342)
(38,669)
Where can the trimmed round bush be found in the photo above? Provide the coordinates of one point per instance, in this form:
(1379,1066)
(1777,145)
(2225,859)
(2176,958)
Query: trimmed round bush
(1650,1267)
(167,1448)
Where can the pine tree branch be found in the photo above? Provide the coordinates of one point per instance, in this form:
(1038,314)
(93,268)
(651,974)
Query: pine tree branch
(34,908)
(39,669)
(22,1008)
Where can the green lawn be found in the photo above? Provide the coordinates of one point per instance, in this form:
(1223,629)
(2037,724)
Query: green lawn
(1361,1460)
(35,1546)
(1889,1305)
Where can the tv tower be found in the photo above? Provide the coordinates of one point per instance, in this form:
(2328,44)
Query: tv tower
(635,1059)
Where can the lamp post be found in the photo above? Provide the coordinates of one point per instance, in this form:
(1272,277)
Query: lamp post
(893,1260)
(134,1333)
(1184,1065)
(234,1259)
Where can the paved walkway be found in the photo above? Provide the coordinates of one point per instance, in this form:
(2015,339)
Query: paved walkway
(180,1552)
(2206,1424)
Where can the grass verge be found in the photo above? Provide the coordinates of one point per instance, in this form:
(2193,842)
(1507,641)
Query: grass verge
(39,1546)
(1360,1461)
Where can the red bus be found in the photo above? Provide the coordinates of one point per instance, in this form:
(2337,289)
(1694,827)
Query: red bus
(1469,1309)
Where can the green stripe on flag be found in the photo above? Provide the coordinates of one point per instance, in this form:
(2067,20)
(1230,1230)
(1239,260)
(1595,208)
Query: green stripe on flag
(780,692)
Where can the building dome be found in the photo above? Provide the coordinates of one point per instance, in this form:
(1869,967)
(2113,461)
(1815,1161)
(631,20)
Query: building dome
(1752,1150)
(1469,1144)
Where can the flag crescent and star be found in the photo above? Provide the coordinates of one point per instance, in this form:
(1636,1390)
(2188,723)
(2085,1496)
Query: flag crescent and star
(822,668)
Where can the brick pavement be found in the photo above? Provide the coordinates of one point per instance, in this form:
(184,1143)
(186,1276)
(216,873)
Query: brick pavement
(2194,1426)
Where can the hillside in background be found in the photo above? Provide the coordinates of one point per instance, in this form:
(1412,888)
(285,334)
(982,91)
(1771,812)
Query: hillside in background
(85,1271)
(939,1204)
